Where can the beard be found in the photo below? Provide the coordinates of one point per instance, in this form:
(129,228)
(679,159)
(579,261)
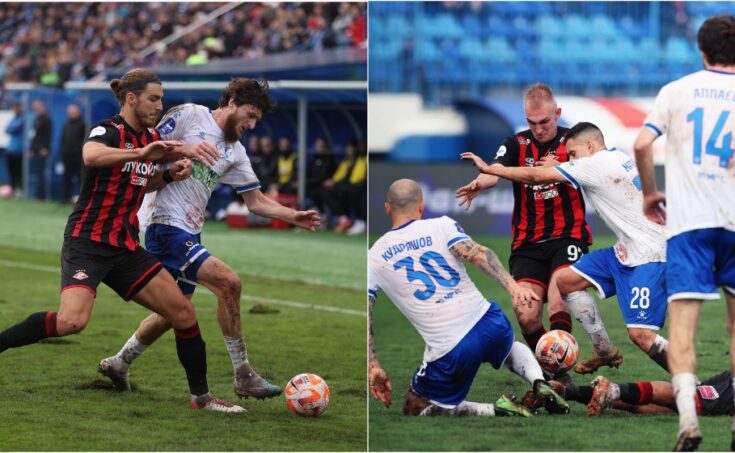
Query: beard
(144,119)
(231,134)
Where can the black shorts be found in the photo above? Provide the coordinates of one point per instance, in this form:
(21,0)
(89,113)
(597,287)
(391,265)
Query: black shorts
(85,263)
(536,262)
(714,395)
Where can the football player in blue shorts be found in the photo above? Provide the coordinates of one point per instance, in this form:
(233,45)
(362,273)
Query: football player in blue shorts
(633,269)
(177,216)
(419,264)
(696,113)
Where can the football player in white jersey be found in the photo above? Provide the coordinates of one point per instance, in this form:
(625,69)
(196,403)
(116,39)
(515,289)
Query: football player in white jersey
(177,215)
(634,268)
(696,113)
(419,265)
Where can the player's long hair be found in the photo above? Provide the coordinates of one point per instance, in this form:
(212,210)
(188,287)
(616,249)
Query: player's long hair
(716,38)
(134,81)
(248,91)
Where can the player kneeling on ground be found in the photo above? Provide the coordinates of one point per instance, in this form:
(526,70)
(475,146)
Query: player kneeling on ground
(419,265)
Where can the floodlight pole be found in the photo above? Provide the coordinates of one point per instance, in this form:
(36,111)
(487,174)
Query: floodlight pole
(302,122)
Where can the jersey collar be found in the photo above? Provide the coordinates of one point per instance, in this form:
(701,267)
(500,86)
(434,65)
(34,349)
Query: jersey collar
(404,225)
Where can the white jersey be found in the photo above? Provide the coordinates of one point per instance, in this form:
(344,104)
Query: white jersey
(182,203)
(610,183)
(696,113)
(412,264)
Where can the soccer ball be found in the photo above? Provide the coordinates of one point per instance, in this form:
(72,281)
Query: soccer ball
(557,351)
(307,394)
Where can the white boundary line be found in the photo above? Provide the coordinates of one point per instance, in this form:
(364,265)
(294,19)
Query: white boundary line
(288,303)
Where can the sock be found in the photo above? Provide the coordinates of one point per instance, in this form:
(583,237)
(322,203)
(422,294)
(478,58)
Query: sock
(132,349)
(733,421)
(522,362)
(684,390)
(200,400)
(35,327)
(636,393)
(193,356)
(533,337)
(582,394)
(463,409)
(238,351)
(561,321)
(658,351)
(584,308)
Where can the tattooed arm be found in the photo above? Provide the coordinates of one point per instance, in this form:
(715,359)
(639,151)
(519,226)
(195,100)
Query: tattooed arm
(484,258)
(380,385)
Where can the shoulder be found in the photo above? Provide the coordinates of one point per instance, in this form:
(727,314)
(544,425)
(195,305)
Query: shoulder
(102,128)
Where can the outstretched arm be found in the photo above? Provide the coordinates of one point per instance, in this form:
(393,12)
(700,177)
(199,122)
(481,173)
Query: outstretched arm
(181,169)
(380,386)
(261,205)
(470,191)
(96,154)
(525,175)
(484,258)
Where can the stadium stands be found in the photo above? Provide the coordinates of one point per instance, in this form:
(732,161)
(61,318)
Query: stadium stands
(445,50)
(51,43)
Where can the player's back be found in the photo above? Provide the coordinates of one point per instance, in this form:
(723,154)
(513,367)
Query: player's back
(413,265)
(696,114)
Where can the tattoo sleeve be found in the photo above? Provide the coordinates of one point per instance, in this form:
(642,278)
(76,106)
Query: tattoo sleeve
(372,357)
(484,258)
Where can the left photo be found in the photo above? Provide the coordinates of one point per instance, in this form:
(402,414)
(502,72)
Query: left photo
(182,240)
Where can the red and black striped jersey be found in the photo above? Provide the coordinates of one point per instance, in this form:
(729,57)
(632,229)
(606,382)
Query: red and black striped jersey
(546,211)
(107,208)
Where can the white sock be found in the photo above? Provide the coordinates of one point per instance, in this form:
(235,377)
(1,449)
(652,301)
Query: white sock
(733,421)
(615,390)
(684,389)
(584,308)
(238,351)
(463,409)
(132,350)
(522,362)
(658,352)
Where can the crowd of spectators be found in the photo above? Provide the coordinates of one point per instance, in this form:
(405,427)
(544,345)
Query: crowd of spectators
(51,43)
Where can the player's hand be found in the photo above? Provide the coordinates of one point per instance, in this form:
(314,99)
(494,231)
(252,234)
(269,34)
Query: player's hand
(308,220)
(654,207)
(548,160)
(181,169)
(477,161)
(158,149)
(202,151)
(467,193)
(380,386)
(521,295)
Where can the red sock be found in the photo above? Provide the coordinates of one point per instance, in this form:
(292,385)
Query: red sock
(51,324)
(561,321)
(533,338)
(646,392)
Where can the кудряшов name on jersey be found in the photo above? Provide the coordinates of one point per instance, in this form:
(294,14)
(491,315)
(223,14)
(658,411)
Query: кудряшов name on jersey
(415,244)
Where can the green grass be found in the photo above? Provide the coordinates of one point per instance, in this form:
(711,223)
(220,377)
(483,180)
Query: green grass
(400,349)
(54,399)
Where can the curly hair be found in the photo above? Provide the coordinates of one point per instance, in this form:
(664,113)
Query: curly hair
(243,91)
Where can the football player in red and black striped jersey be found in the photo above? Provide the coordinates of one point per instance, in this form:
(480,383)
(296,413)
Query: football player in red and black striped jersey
(101,236)
(549,227)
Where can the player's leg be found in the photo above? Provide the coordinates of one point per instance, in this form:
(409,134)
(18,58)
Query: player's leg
(590,270)
(219,278)
(560,254)
(81,273)
(73,315)
(528,269)
(730,298)
(653,344)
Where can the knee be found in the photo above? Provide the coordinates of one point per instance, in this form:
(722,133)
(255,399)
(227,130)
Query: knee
(528,320)
(68,324)
(230,287)
(184,314)
(643,338)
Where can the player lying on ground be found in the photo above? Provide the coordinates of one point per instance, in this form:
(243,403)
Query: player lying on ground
(549,233)
(714,396)
(101,236)
(419,265)
(174,235)
(633,269)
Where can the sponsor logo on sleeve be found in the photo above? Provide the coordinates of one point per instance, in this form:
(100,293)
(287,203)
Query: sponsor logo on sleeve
(501,151)
(459,227)
(167,127)
(97,132)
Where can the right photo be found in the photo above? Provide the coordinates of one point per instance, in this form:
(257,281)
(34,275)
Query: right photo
(551,226)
